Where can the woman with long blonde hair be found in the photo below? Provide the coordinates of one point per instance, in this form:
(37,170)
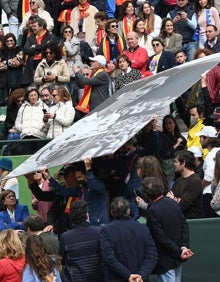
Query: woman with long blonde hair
(12,259)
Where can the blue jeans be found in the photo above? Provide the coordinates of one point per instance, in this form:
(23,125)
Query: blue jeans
(172,275)
(189,49)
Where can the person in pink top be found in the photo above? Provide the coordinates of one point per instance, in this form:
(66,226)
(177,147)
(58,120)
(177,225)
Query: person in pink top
(12,259)
(206,14)
(42,207)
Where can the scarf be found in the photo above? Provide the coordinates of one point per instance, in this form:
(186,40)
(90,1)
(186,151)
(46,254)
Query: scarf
(99,35)
(39,39)
(83,105)
(83,11)
(106,47)
(125,27)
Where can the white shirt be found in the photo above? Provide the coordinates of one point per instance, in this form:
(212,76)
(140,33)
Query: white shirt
(208,167)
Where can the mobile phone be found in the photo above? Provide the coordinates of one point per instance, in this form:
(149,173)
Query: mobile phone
(179,13)
(138,193)
(44,110)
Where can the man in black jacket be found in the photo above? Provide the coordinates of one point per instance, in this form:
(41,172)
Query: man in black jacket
(169,230)
(185,22)
(213,40)
(34,46)
(80,248)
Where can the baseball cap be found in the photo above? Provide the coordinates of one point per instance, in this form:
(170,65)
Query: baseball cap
(216,113)
(207,131)
(196,150)
(100,59)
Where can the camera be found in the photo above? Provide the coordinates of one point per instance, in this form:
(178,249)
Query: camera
(179,13)
(44,110)
(49,73)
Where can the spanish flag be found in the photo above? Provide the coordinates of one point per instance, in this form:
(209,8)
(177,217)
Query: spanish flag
(83,105)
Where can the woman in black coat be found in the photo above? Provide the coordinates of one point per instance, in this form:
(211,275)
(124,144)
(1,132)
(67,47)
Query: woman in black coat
(12,57)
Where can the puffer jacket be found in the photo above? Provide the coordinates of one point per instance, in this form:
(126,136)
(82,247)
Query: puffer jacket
(58,68)
(64,116)
(29,121)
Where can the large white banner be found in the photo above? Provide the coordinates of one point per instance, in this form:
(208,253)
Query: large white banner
(115,121)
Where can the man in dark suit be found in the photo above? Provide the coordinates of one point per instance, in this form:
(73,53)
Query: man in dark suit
(128,250)
(169,231)
(80,248)
(213,40)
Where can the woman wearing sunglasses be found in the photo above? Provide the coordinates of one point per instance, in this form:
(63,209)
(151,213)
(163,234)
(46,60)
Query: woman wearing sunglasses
(37,8)
(162,60)
(112,44)
(70,50)
(12,215)
(61,115)
(11,66)
(52,68)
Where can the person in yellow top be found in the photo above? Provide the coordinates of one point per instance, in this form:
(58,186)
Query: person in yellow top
(196,124)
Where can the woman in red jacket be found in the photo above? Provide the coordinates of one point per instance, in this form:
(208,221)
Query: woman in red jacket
(12,258)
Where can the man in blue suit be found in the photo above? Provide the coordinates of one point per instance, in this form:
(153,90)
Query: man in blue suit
(127,248)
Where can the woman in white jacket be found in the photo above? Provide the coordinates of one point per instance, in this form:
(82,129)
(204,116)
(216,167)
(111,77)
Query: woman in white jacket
(29,121)
(61,115)
(37,8)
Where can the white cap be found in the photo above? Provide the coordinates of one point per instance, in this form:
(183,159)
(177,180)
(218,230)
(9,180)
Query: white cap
(207,131)
(100,59)
(196,150)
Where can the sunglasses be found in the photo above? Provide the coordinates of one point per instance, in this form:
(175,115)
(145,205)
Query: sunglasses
(31,88)
(114,26)
(36,172)
(19,100)
(156,44)
(67,31)
(32,3)
(54,95)
(86,74)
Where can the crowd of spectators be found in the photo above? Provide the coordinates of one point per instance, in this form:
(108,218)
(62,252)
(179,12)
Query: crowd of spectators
(58,64)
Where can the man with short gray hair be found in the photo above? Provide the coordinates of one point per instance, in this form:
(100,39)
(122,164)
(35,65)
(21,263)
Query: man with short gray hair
(136,54)
(128,250)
